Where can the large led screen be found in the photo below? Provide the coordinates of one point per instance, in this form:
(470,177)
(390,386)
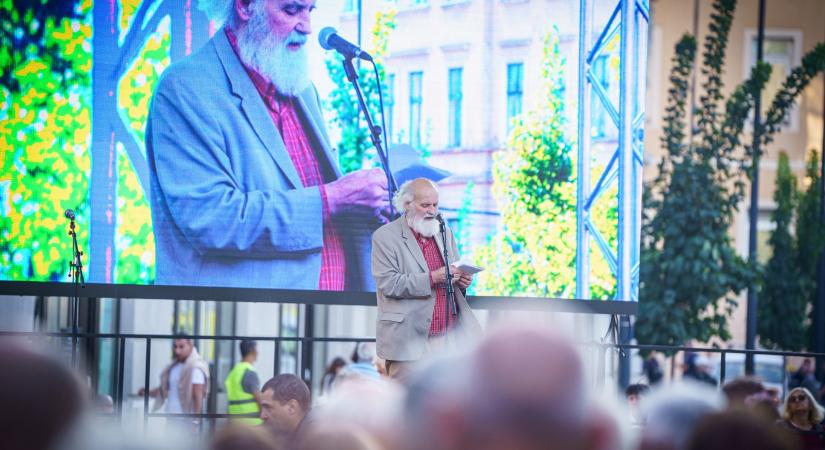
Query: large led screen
(184,167)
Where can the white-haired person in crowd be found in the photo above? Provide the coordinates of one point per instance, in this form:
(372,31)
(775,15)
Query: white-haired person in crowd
(673,413)
(522,388)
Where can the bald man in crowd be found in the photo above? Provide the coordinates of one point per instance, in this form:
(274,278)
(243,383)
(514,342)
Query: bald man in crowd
(522,388)
(410,277)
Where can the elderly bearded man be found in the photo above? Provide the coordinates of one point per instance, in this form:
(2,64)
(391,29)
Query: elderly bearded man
(245,186)
(410,278)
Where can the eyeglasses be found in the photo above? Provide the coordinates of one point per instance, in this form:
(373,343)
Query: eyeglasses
(797,398)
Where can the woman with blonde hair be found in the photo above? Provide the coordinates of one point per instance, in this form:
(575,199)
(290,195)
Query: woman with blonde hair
(803,416)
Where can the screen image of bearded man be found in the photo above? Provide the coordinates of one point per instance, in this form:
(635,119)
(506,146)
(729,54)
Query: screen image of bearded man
(245,186)
(410,283)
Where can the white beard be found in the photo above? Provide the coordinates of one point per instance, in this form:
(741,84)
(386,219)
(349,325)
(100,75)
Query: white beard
(261,50)
(421,225)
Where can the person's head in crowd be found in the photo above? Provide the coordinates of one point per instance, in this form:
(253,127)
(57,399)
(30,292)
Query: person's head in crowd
(806,367)
(544,407)
(371,405)
(739,389)
(285,401)
(41,397)
(652,369)
(673,412)
(335,366)
(249,350)
(364,353)
(735,429)
(182,347)
(801,409)
(237,436)
(634,392)
(418,200)
(489,400)
(433,404)
(338,436)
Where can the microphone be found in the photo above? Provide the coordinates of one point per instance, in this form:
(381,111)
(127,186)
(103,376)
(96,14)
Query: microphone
(69,214)
(439,218)
(330,40)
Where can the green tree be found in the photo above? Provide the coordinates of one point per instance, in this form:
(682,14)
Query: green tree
(45,122)
(782,303)
(355,149)
(534,183)
(690,273)
(810,235)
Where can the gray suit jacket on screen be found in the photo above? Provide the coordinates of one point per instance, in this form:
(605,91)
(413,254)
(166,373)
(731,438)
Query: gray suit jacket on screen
(228,205)
(405,298)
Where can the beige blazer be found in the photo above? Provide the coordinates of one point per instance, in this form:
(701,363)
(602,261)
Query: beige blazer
(405,298)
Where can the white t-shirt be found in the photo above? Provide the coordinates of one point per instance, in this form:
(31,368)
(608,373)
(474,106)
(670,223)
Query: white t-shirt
(173,405)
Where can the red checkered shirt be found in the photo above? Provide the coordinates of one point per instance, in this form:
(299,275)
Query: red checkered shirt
(434,262)
(304,156)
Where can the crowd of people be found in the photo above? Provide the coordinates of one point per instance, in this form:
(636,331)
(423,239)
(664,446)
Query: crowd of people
(518,388)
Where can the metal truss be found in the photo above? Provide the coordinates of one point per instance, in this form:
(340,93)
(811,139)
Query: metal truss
(629,20)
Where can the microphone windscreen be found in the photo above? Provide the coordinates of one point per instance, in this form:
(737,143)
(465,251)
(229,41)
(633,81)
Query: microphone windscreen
(323,37)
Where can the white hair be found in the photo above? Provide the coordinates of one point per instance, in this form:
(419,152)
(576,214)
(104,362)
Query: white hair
(406,194)
(673,412)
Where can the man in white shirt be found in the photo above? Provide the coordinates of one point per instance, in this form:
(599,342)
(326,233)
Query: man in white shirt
(184,383)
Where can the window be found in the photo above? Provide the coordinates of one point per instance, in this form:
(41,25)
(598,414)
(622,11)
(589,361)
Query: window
(350,6)
(454,126)
(389,109)
(782,51)
(415,108)
(515,92)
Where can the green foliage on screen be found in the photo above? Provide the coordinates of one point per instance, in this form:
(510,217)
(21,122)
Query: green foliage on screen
(45,107)
(45,123)
(134,240)
(355,150)
(534,183)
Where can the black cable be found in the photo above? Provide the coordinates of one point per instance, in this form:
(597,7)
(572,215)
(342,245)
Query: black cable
(384,133)
(383,121)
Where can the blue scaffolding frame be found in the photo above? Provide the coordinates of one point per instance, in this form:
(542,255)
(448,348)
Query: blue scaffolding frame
(629,19)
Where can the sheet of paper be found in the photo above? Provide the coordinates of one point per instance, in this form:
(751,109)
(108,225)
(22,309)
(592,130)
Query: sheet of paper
(467,267)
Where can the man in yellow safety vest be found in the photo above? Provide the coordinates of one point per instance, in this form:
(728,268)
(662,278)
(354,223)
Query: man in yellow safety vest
(243,393)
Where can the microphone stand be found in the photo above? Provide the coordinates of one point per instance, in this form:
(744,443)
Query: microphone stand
(76,274)
(450,290)
(375,131)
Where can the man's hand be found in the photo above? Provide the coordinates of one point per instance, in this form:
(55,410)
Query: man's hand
(362,191)
(440,275)
(464,281)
